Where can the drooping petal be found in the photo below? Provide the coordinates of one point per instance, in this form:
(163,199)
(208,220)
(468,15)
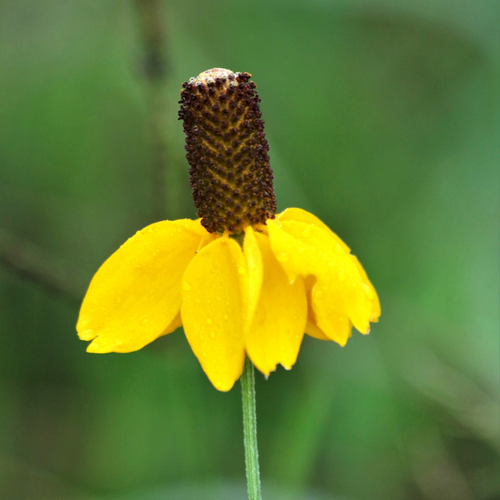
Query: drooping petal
(300,215)
(337,296)
(278,326)
(369,290)
(253,280)
(339,332)
(332,319)
(207,238)
(312,329)
(212,310)
(136,294)
(175,323)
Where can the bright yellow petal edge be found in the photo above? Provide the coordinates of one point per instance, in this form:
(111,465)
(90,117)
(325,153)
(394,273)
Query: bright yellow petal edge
(289,277)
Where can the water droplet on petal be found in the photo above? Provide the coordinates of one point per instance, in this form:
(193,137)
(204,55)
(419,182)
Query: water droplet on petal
(186,286)
(201,337)
(145,320)
(283,257)
(338,249)
(341,276)
(209,321)
(204,354)
(368,291)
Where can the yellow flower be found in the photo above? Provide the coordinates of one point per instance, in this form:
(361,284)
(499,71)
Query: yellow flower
(240,281)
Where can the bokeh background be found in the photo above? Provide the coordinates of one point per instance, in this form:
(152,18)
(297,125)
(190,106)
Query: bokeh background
(382,117)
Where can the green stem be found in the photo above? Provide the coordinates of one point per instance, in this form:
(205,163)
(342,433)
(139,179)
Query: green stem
(250,432)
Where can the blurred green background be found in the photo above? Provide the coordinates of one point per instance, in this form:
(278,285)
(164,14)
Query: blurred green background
(382,117)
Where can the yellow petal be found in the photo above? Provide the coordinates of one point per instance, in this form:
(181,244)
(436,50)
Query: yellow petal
(279,323)
(337,296)
(300,215)
(136,294)
(369,290)
(175,323)
(253,279)
(338,326)
(312,329)
(212,311)
(303,216)
(207,238)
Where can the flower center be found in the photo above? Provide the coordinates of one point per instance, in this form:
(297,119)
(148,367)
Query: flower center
(231,179)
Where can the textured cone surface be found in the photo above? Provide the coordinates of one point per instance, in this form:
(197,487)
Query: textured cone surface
(227,150)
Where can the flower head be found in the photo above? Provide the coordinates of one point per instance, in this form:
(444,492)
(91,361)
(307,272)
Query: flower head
(240,280)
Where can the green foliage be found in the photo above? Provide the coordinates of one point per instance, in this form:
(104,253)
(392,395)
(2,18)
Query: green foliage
(381,119)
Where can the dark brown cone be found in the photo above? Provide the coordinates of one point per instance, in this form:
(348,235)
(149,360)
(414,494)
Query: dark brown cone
(231,179)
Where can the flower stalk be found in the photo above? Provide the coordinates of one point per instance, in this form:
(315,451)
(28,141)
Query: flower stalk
(250,431)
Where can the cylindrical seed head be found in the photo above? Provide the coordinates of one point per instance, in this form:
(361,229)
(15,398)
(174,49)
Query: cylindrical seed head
(231,179)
